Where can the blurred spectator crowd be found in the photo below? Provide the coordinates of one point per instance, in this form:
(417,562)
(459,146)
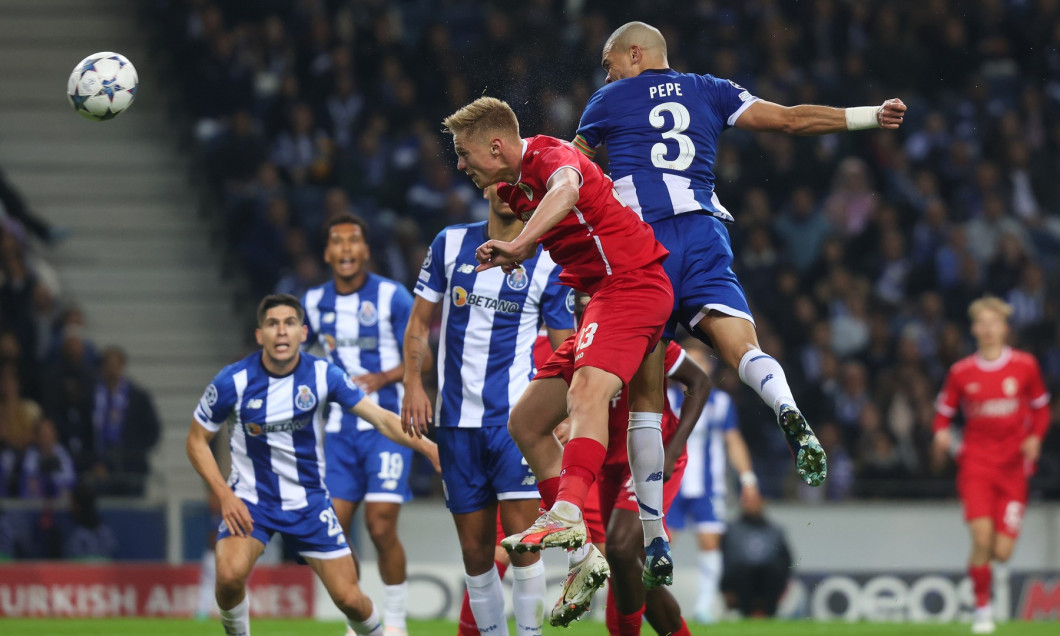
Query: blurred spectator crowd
(860,252)
(69,416)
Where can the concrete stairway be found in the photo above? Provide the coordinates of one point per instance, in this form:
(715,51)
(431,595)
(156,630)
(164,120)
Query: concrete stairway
(139,259)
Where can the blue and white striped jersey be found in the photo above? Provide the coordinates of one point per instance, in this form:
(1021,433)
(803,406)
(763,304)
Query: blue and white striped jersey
(661,129)
(707,457)
(489,323)
(276,427)
(362,332)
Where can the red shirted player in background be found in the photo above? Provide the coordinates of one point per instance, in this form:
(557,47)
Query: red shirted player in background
(1006,409)
(569,205)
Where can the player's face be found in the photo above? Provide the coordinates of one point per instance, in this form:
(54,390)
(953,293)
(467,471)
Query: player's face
(478,159)
(281,334)
(617,66)
(498,205)
(347,251)
(989,328)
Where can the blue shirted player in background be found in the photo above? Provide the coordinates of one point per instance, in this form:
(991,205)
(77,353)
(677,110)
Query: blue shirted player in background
(490,322)
(716,436)
(359,319)
(661,128)
(272,401)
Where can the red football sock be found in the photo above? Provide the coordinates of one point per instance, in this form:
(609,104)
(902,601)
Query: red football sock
(548,489)
(980,576)
(467,625)
(582,459)
(683,631)
(629,624)
(611,612)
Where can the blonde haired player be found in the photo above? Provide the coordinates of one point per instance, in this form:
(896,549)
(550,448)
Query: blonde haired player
(1006,410)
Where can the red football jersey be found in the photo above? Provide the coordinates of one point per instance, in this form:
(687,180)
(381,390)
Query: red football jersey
(601,235)
(618,413)
(1003,402)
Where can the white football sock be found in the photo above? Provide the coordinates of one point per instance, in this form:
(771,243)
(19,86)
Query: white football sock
(395,604)
(646,458)
(236,621)
(762,373)
(577,555)
(528,598)
(486,597)
(370,626)
(709,579)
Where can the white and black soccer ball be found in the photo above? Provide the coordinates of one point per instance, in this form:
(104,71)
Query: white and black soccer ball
(102,86)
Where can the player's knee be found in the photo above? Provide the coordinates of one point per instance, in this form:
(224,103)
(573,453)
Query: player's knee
(623,549)
(478,558)
(352,602)
(229,582)
(383,532)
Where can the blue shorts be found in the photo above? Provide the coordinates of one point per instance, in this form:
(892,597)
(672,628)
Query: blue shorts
(481,466)
(366,466)
(313,532)
(700,269)
(707,513)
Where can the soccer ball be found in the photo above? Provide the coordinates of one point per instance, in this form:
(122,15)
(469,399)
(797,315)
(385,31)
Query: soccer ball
(102,86)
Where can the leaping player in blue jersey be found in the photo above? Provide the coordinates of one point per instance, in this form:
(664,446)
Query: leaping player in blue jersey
(359,319)
(661,128)
(272,401)
(490,322)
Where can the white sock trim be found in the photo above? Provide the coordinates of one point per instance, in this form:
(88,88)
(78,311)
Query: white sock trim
(645,419)
(528,571)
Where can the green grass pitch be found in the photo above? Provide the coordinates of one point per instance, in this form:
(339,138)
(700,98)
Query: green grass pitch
(174,627)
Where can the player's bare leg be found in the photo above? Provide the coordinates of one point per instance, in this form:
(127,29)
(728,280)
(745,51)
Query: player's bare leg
(477,532)
(983,540)
(736,341)
(344,511)
(381,519)
(533,419)
(339,576)
(235,558)
(644,447)
(588,399)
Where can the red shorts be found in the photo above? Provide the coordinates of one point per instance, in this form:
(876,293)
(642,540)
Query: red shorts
(615,486)
(999,495)
(622,323)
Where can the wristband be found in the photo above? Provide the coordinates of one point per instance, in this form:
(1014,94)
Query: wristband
(862,117)
(748,479)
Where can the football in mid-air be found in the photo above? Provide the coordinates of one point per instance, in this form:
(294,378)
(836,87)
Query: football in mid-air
(102,86)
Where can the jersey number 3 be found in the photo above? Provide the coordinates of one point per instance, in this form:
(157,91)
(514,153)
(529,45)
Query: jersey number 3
(686,150)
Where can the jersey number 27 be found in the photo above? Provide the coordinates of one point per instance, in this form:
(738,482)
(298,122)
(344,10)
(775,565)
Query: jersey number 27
(686,150)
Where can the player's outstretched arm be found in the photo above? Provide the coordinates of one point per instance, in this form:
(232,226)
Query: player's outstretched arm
(389,424)
(233,510)
(416,410)
(807,119)
(557,203)
(697,391)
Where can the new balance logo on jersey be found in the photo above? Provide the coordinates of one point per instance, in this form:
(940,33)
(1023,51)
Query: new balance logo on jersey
(254,404)
(465,269)
(764,380)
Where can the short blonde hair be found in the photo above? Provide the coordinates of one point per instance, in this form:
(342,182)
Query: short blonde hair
(485,114)
(991,303)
